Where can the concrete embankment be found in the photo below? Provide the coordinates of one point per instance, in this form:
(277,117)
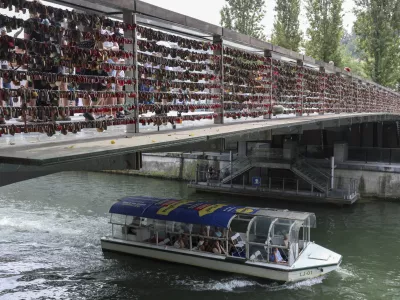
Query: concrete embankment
(177,166)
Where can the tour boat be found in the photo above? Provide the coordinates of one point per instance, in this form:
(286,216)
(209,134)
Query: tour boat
(261,242)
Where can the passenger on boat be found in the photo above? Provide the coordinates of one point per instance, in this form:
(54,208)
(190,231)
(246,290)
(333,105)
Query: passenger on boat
(180,244)
(199,243)
(218,232)
(208,246)
(135,222)
(203,230)
(217,248)
(286,240)
(277,258)
(203,246)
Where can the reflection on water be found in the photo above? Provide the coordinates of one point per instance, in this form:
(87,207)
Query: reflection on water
(50,231)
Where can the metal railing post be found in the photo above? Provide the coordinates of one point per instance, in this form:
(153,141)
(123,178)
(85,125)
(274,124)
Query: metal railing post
(300,64)
(269,183)
(130,18)
(312,188)
(268,54)
(197,174)
(297,187)
(322,70)
(283,184)
(218,40)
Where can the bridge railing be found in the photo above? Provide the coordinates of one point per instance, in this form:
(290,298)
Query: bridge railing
(172,78)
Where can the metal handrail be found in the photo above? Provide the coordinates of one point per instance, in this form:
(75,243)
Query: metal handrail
(312,166)
(277,183)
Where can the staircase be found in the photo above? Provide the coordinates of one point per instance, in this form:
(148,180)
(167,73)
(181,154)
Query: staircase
(312,174)
(238,168)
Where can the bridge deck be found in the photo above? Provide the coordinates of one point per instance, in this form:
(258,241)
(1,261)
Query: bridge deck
(115,143)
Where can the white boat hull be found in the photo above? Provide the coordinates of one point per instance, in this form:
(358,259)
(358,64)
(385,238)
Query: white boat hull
(216,262)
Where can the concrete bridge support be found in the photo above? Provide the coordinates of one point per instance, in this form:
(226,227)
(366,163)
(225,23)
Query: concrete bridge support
(340,152)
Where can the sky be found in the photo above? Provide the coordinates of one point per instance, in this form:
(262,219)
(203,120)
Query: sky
(208,11)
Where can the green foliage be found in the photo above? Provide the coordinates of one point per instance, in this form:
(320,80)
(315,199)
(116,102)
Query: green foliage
(325,29)
(349,41)
(377,28)
(286,26)
(356,65)
(244,16)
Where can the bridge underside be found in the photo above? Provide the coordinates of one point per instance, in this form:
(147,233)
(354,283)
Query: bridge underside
(19,162)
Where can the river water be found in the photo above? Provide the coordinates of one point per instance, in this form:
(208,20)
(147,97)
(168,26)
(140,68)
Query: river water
(50,230)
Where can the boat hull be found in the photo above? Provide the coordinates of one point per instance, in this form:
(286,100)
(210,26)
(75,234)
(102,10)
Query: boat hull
(214,262)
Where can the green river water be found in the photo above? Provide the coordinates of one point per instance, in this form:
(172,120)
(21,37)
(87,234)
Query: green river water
(50,230)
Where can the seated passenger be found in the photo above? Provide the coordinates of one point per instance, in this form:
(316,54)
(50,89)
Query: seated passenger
(135,223)
(203,231)
(180,244)
(217,232)
(217,249)
(277,258)
(231,248)
(186,241)
(203,246)
(209,246)
(200,242)
(286,240)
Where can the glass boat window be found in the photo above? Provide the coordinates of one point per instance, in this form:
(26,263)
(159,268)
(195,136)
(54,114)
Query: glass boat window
(258,239)
(118,219)
(248,237)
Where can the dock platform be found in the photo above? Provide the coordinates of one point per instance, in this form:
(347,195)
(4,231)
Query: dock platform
(287,195)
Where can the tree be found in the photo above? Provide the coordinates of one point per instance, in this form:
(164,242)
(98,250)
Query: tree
(325,29)
(356,65)
(244,16)
(349,41)
(286,31)
(377,28)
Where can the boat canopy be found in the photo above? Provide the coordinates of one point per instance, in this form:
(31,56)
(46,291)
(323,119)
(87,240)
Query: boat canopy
(193,212)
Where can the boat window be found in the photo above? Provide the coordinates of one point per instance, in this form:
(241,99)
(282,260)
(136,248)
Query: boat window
(296,243)
(118,231)
(258,239)
(118,219)
(238,237)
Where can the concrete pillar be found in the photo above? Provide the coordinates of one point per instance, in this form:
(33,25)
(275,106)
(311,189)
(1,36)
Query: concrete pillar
(242,148)
(378,135)
(367,135)
(340,152)
(289,149)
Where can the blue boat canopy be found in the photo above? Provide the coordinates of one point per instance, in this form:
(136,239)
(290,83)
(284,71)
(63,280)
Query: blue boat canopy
(183,211)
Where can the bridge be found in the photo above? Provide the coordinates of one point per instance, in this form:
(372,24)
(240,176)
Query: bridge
(201,86)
